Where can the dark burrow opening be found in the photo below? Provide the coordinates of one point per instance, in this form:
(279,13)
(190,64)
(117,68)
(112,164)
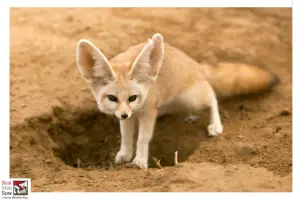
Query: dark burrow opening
(86,138)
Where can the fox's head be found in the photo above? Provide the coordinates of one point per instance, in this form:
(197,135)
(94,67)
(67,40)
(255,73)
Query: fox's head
(120,89)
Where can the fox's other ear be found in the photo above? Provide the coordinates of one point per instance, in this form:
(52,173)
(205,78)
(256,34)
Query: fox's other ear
(91,62)
(147,64)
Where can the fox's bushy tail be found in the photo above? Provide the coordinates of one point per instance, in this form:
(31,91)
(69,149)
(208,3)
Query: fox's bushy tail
(234,79)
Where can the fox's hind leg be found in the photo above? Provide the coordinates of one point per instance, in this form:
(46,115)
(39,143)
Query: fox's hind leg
(199,96)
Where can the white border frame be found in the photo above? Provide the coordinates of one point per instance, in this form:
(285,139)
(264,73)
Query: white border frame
(152,3)
(4,142)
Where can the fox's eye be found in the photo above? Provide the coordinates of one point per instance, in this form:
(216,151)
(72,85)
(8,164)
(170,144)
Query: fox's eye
(132,98)
(112,98)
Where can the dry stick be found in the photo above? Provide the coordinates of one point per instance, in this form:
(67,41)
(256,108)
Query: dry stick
(148,171)
(157,162)
(176,158)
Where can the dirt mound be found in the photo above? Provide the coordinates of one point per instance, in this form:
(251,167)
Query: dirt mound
(208,177)
(60,140)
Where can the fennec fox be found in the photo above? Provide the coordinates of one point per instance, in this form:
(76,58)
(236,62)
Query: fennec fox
(154,78)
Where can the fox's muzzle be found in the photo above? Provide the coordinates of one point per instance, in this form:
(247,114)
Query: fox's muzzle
(123,111)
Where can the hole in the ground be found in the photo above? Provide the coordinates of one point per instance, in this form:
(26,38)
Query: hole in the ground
(87,138)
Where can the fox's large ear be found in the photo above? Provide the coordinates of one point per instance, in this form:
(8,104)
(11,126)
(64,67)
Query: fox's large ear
(147,64)
(92,63)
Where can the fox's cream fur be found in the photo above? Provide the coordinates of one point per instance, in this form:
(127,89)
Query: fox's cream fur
(154,78)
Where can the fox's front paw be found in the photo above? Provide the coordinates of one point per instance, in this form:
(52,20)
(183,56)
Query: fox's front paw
(140,161)
(123,156)
(214,129)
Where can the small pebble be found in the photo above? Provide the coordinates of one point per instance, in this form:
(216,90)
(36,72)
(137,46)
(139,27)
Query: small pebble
(284,113)
(191,119)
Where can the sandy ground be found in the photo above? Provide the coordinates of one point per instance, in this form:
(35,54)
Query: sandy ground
(60,140)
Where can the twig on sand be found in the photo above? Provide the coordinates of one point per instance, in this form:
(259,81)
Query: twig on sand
(130,165)
(157,162)
(176,159)
(148,171)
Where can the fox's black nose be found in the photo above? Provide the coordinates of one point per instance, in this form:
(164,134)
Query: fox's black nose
(124,116)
